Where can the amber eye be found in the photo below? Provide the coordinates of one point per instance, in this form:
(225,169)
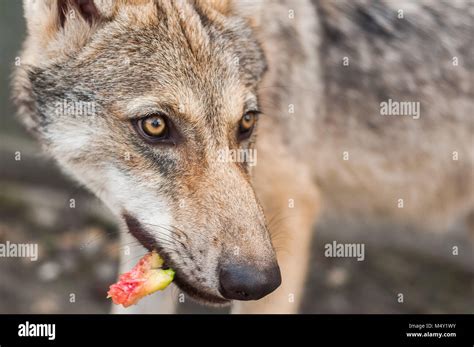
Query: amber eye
(246,125)
(153,127)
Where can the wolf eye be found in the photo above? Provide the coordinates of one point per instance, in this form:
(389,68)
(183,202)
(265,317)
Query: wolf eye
(246,125)
(154,127)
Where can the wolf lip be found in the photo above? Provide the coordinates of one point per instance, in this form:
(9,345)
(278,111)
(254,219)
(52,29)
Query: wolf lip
(136,229)
(199,295)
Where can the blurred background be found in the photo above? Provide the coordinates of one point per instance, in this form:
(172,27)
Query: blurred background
(79,249)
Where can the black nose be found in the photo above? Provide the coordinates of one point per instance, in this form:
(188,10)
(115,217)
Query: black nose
(246,282)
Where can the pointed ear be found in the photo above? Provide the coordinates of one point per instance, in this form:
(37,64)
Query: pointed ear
(48,14)
(85,8)
(62,25)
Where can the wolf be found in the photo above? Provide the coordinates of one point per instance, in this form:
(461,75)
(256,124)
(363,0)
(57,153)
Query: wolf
(168,85)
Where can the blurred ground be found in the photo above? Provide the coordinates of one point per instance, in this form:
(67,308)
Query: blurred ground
(79,249)
(418,264)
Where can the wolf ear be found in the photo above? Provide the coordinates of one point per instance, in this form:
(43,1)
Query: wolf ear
(62,25)
(55,30)
(49,13)
(85,8)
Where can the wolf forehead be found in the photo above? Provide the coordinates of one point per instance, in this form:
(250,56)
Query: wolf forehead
(176,53)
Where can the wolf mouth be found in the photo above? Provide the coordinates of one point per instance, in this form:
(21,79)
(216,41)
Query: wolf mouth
(150,243)
(199,295)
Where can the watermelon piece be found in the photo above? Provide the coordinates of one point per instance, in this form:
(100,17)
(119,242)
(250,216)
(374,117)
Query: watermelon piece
(145,278)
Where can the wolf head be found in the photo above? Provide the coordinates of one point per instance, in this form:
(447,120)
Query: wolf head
(142,102)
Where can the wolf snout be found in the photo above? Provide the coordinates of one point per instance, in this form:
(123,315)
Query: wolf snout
(248,282)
